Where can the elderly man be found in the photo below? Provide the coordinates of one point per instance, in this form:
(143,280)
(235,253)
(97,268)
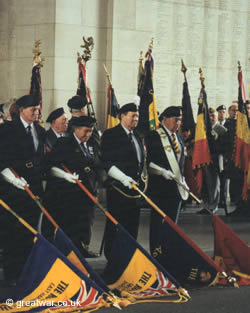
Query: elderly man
(59,124)
(78,107)
(21,149)
(165,148)
(69,205)
(234,174)
(122,154)
(222,114)
(222,174)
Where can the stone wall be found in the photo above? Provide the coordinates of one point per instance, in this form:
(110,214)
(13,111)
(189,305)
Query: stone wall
(213,35)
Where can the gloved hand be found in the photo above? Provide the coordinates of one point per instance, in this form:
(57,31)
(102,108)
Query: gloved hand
(57,172)
(71,177)
(167,174)
(185,184)
(157,170)
(8,176)
(117,174)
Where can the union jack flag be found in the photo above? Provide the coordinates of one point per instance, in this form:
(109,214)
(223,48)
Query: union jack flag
(87,296)
(162,287)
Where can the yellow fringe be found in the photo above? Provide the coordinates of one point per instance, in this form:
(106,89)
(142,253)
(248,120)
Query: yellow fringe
(182,293)
(214,282)
(102,304)
(241,274)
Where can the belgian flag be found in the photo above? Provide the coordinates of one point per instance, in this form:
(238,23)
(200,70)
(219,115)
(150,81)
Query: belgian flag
(242,138)
(201,152)
(112,118)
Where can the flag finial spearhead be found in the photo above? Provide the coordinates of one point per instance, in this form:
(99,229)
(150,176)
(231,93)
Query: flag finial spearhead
(239,66)
(87,47)
(202,78)
(37,59)
(183,69)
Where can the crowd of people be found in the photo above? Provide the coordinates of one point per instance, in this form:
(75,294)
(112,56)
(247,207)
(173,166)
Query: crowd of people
(51,162)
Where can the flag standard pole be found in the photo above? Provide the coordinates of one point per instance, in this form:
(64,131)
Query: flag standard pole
(21,220)
(179,231)
(89,194)
(35,198)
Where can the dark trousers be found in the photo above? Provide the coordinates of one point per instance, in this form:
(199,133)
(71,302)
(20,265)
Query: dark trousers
(223,187)
(73,211)
(18,240)
(126,211)
(170,206)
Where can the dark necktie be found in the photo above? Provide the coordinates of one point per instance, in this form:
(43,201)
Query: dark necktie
(85,151)
(29,133)
(132,142)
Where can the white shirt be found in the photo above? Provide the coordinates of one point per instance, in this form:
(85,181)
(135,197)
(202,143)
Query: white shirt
(137,146)
(33,132)
(58,135)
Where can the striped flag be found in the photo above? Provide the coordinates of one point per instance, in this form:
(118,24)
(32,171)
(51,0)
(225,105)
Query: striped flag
(242,138)
(201,152)
(112,118)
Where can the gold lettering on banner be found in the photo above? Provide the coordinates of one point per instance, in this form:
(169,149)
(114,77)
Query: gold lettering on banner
(193,274)
(157,251)
(61,287)
(145,278)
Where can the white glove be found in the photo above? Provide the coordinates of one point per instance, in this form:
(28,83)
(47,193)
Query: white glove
(115,173)
(157,170)
(168,174)
(185,186)
(8,176)
(57,172)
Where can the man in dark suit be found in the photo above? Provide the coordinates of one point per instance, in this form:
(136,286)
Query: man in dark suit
(78,107)
(72,209)
(223,181)
(122,153)
(21,149)
(165,153)
(59,124)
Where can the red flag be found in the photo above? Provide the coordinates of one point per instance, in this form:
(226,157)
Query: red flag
(231,252)
(201,152)
(242,139)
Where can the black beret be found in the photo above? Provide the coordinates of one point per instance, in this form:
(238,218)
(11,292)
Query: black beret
(77,103)
(129,107)
(83,121)
(172,111)
(54,115)
(28,101)
(221,107)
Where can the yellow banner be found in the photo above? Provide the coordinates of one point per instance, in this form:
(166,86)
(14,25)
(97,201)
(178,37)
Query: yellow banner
(58,286)
(139,275)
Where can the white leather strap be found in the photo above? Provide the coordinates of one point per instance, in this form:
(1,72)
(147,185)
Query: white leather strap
(173,162)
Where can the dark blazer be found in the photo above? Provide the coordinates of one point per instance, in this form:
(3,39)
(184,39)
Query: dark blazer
(156,154)
(16,151)
(51,138)
(116,149)
(68,152)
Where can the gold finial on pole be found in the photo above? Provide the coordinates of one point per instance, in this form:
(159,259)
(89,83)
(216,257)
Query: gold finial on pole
(239,66)
(183,69)
(151,45)
(87,50)
(202,78)
(150,48)
(37,59)
(107,74)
